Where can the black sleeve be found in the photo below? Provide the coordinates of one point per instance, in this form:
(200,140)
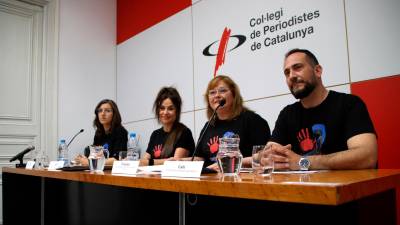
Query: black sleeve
(280,132)
(186,141)
(257,131)
(358,120)
(96,140)
(119,141)
(150,146)
(262,133)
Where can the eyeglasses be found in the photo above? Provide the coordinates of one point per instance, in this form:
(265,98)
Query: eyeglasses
(212,93)
(104,110)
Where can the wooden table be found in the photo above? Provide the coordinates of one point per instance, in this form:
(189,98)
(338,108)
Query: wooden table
(367,196)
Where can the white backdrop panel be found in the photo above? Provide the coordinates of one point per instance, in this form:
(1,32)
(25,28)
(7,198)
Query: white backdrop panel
(269,108)
(259,72)
(195,1)
(86,66)
(200,120)
(341,88)
(159,56)
(374,34)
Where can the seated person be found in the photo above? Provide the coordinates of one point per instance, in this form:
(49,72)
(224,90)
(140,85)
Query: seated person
(109,130)
(173,140)
(325,129)
(232,117)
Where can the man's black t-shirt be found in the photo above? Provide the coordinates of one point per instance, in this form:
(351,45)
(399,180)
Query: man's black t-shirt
(116,141)
(325,128)
(251,128)
(159,136)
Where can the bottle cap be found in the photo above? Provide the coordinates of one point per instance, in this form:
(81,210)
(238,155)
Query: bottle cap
(62,141)
(105,146)
(132,134)
(229,134)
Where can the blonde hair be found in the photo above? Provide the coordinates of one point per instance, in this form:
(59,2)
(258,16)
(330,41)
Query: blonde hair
(237,106)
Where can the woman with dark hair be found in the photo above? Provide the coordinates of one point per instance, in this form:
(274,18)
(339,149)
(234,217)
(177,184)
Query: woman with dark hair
(232,118)
(109,130)
(173,140)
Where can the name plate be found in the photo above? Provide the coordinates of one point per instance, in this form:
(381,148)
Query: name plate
(182,169)
(125,167)
(54,165)
(29,165)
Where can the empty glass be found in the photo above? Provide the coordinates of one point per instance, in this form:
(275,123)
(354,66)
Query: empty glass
(262,161)
(256,158)
(122,155)
(41,161)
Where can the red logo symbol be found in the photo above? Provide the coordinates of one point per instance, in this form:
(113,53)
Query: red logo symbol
(157,151)
(223,43)
(213,144)
(222,48)
(306,143)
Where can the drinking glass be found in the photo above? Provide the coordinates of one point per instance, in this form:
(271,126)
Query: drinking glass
(262,161)
(256,158)
(122,155)
(41,160)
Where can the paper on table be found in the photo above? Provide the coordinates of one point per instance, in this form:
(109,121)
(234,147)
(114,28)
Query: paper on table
(157,168)
(246,170)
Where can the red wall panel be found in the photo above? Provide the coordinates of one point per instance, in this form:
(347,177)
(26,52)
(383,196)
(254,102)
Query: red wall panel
(382,97)
(135,16)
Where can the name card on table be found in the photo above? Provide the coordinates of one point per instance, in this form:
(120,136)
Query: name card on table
(125,167)
(29,165)
(182,169)
(54,165)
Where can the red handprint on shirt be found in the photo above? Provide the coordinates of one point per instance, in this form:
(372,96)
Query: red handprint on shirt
(157,151)
(306,143)
(213,144)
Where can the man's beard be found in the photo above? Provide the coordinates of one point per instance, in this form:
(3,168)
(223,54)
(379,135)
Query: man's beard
(304,92)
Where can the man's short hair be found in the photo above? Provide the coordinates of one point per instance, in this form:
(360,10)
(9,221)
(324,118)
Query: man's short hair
(311,57)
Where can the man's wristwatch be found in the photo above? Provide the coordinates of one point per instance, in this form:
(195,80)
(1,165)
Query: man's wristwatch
(304,163)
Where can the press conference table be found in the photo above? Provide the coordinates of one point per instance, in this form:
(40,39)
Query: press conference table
(48,197)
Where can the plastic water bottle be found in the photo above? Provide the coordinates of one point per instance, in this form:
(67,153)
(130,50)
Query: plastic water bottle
(63,152)
(106,152)
(133,152)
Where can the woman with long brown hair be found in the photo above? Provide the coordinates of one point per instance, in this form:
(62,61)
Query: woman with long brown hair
(173,139)
(109,130)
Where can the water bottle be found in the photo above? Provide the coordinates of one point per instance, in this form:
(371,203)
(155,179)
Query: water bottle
(106,151)
(63,152)
(133,152)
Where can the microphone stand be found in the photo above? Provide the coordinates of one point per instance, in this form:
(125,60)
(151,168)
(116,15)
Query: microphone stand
(20,156)
(221,103)
(74,137)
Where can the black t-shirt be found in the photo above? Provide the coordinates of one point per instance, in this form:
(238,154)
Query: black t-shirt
(159,136)
(116,141)
(251,128)
(325,128)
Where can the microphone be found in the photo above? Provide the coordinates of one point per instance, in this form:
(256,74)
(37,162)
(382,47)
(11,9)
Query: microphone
(75,137)
(20,156)
(221,103)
